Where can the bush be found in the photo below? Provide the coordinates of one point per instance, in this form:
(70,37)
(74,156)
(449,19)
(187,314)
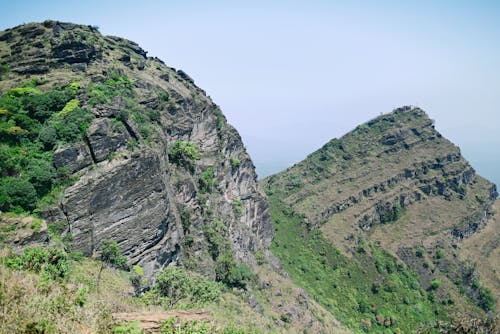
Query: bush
(237,207)
(110,254)
(17,194)
(231,273)
(206,180)
(175,286)
(486,299)
(235,163)
(184,154)
(70,106)
(49,262)
(214,234)
(435,284)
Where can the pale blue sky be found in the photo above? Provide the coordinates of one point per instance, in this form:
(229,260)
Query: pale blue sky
(292,75)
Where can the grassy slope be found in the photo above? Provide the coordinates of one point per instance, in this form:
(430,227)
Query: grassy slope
(483,248)
(329,262)
(346,285)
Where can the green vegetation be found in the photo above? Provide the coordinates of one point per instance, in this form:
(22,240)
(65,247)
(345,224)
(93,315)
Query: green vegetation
(175,287)
(32,123)
(363,291)
(48,262)
(227,270)
(486,299)
(237,207)
(199,327)
(435,284)
(116,85)
(184,154)
(110,255)
(206,180)
(232,273)
(235,163)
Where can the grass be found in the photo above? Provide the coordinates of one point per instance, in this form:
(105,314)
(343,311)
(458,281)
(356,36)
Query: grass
(372,283)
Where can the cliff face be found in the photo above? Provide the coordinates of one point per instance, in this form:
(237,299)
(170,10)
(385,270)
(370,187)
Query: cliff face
(130,185)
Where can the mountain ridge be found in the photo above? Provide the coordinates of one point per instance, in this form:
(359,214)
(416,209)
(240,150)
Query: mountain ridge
(391,186)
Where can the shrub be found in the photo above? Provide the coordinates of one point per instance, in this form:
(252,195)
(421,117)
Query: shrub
(70,106)
(235,163)
(184,154)
(237,207)
(17,194)
(110,254)
(41,174)
(128,328)
(435,284)
(231,273)
(206,180)
(260,257)
(486,299)
(214,234)
(175,286)
(50,262)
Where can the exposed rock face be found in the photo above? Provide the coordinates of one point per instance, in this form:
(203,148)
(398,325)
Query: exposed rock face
(127,189)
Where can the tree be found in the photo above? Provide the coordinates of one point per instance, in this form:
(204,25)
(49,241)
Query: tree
(110,255)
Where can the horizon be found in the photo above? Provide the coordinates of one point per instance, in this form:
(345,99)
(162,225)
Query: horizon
(292,77)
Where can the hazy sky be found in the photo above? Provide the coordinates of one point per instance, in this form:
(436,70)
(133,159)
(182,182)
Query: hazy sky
(292,75)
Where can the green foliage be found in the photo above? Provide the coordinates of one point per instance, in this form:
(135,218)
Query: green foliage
(486,299)
(116,84)
(70,106)
(206,180)
(214,233)
(235,163)
(136,278)
(176,287)
(435,284)
(110,254)
(260,257)
(128,328)
(184,154)
(49,262)
(81,296)
(231,273)
(17,194)
(367,284)
(30,128)
(439,254)
(188,327)
(237,207)
(220,121)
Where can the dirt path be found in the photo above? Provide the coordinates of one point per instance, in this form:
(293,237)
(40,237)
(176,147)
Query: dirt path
(151,321)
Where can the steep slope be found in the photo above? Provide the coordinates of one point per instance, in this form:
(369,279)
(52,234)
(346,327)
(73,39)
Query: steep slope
(131,187)
(107,144)
(392,186)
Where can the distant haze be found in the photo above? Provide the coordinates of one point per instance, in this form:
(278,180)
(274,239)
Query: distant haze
(292,75)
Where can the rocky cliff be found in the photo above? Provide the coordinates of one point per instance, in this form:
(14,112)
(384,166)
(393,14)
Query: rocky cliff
(107,144)
(129,186)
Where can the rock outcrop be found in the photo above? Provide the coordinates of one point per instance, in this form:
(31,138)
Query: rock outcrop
(127,188)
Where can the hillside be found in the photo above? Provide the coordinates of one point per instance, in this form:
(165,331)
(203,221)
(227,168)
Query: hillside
(111,154)
(383,220)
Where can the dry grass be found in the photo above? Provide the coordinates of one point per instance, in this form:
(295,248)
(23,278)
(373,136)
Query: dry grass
(483,248)
(28,302)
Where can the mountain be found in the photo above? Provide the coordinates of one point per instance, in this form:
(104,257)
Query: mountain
(386,224)
(114,155)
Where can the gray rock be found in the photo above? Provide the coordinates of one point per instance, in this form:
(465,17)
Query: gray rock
(74,157)
(105,139)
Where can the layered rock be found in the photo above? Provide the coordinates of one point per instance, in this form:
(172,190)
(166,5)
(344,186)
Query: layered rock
(127,190)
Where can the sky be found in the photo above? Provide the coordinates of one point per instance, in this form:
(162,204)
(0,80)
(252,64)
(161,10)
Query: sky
(291,75)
